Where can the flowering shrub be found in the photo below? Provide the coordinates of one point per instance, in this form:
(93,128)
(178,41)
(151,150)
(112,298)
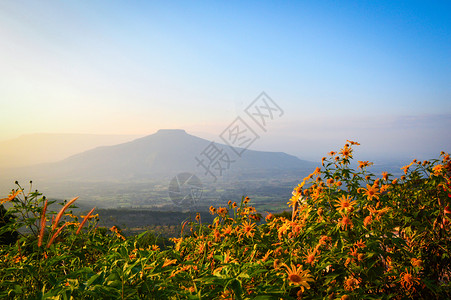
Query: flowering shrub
(351,235)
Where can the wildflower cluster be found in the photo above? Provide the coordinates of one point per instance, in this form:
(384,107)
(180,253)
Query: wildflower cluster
(350,234)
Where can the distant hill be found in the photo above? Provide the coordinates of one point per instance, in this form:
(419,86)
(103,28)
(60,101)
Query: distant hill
(40,148)
(164,153)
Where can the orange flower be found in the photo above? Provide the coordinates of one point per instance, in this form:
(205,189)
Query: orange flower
(447,210)
(385,175)
(317,171)
(384,187)
(297,276)
(408,280)
(247,229)
(276,264)
(406,168)
(346,152)
(416,262)
(268,217)
(360,244)
(118,234)
(345,222)
(168,262)
(222,211)
(217,235)
(353,143)
(310,257)
(324,239)
(363,164)
(351,284)
(227,230)
(283,229)
(11,196)
(266,256)
(372,192)
(353,252)
(437,169)
(378,213)
(344,203)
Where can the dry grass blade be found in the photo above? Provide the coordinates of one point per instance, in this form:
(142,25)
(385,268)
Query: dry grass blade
(84,221)
(43,220)
(60,214)
(56,234)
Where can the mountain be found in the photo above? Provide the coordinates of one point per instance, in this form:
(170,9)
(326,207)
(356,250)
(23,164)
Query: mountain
(165,153)
(40,148)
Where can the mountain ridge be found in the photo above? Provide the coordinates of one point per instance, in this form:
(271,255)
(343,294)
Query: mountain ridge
(164,153)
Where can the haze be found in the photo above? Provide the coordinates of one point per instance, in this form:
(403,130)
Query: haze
(375,72)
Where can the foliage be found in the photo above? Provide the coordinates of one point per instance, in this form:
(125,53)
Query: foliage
(8,236)
(351,235)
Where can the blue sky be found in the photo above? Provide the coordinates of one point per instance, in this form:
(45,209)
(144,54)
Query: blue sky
(375,71)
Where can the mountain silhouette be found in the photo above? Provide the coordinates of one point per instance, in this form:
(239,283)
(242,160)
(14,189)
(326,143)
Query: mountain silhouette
(165,153)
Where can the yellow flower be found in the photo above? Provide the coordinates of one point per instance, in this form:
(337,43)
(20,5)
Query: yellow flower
(344,203)
(283,229)
(297,276)
(293,201)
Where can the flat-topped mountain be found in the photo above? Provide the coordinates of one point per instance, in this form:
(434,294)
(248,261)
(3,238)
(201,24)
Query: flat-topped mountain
(167,152)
